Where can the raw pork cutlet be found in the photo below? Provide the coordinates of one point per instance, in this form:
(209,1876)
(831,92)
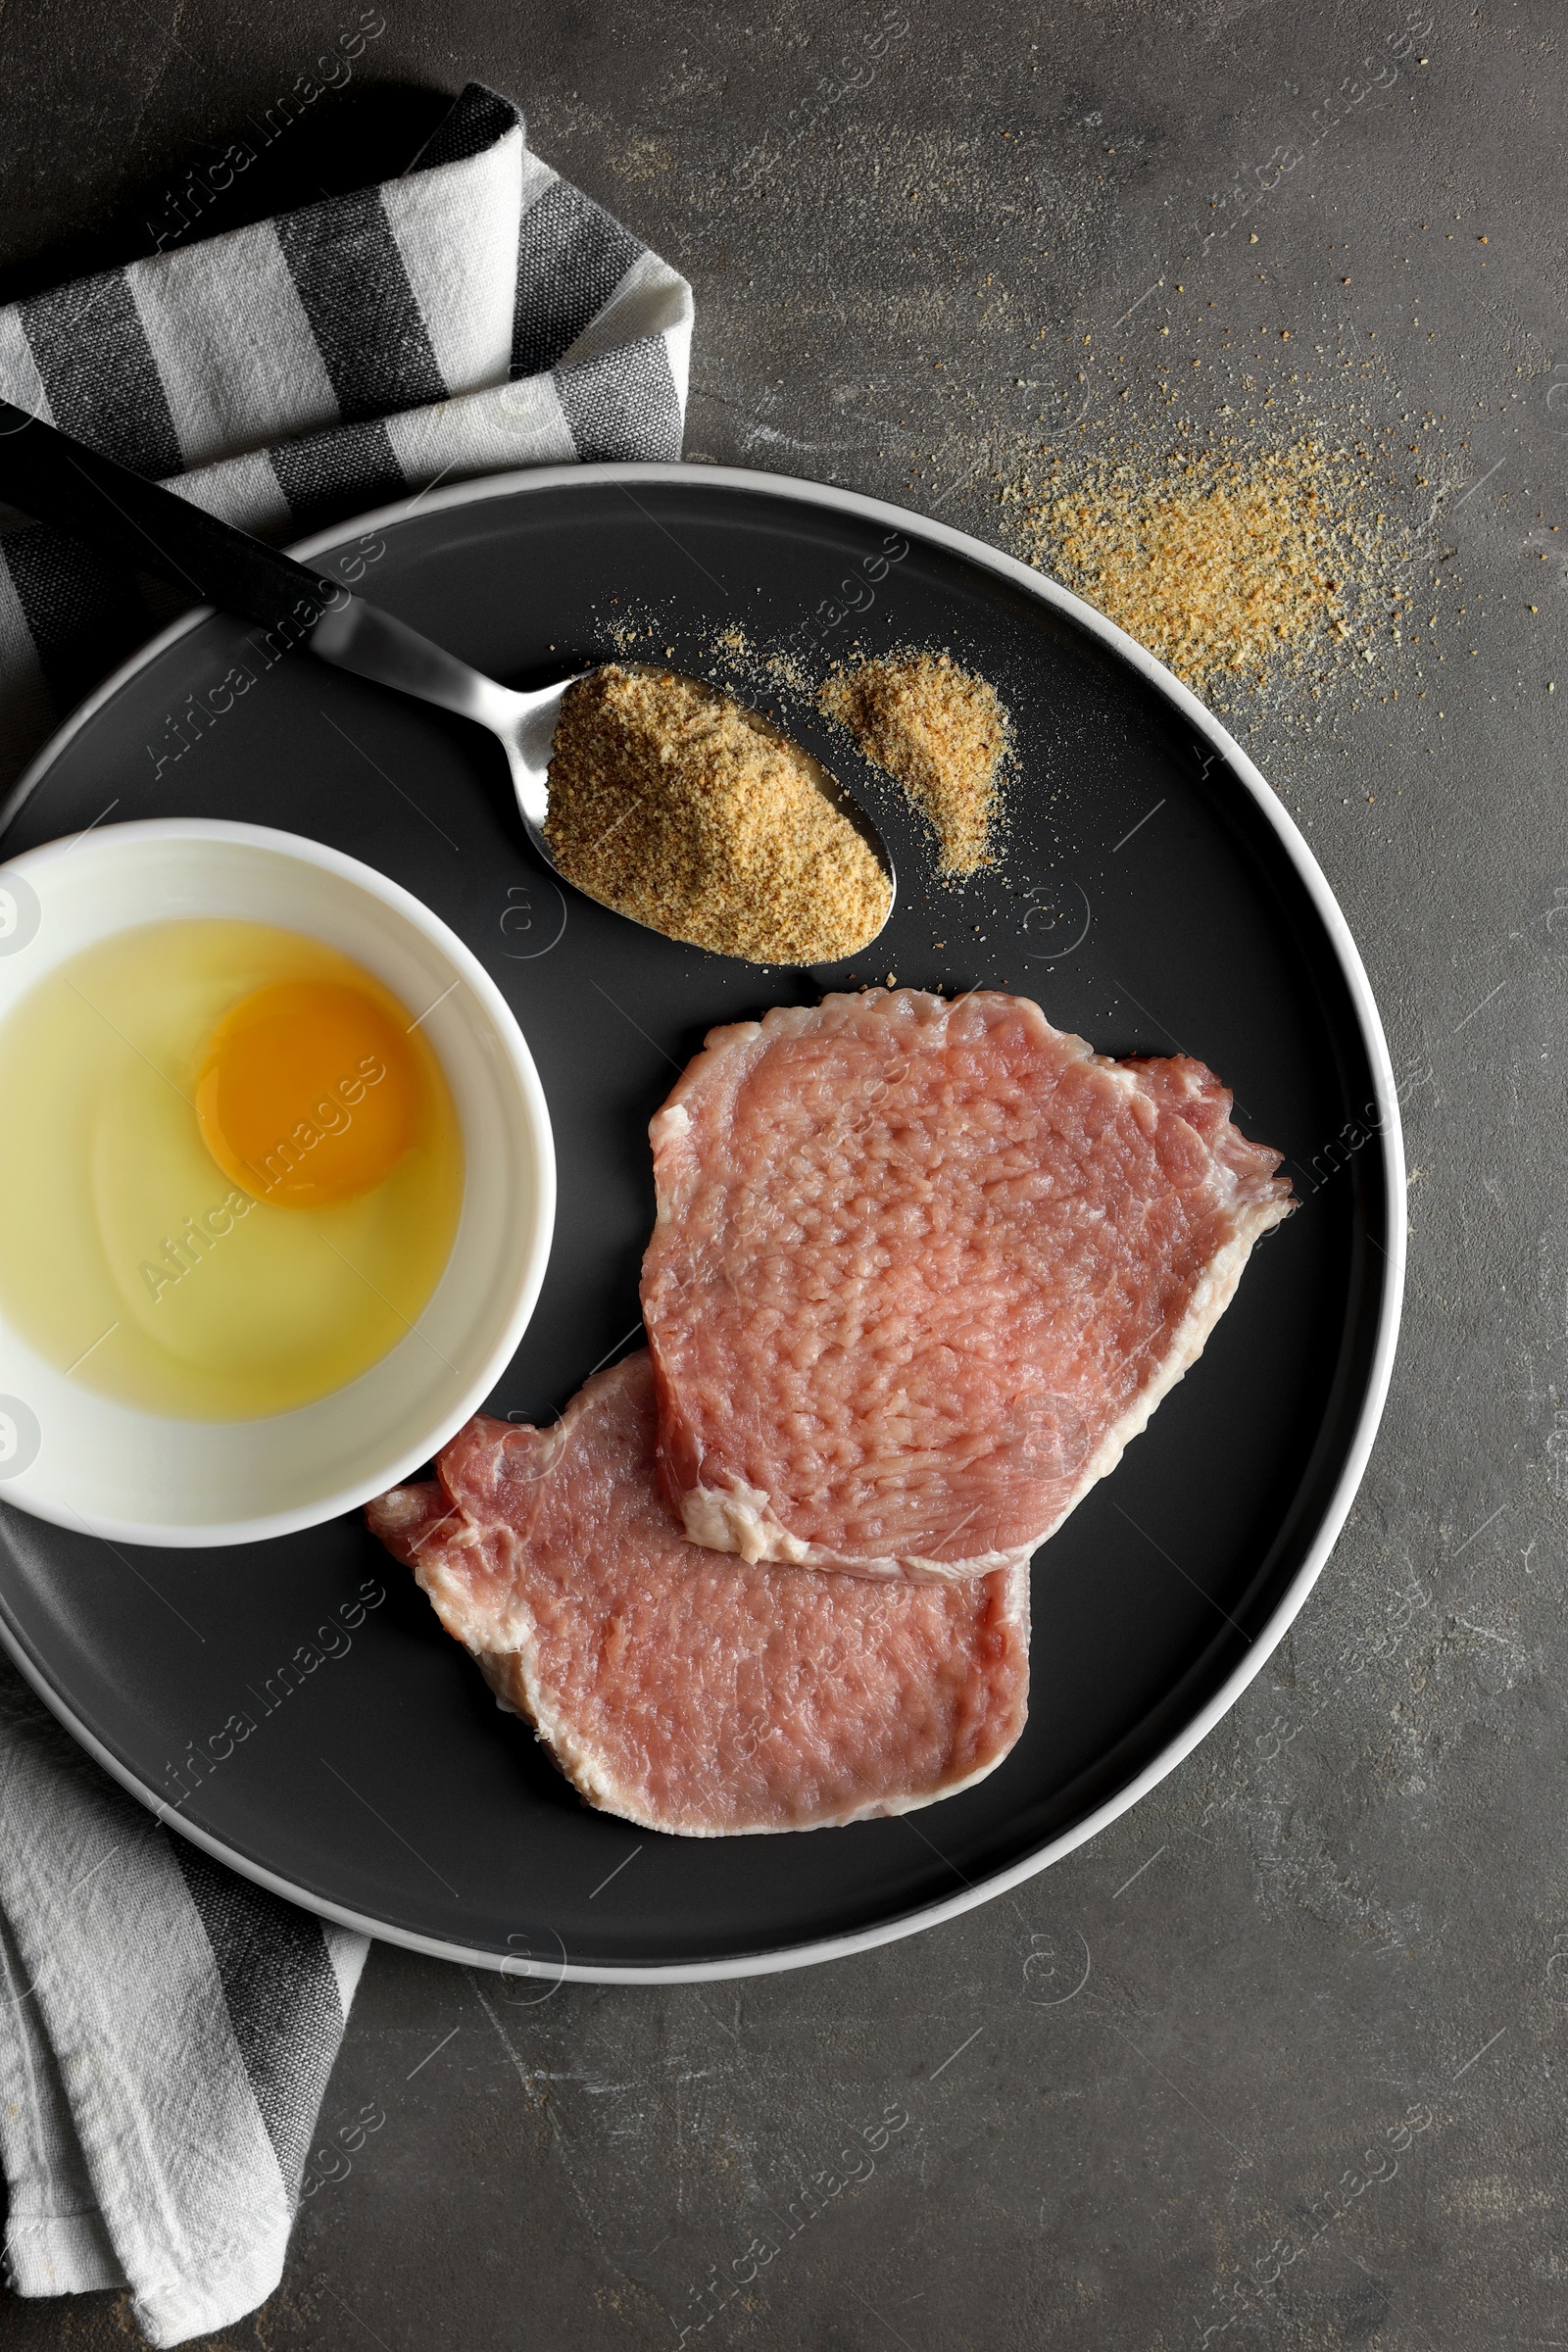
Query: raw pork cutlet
(922,1269)
(681,1691)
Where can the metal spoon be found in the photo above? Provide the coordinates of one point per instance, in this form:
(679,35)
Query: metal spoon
(62,481)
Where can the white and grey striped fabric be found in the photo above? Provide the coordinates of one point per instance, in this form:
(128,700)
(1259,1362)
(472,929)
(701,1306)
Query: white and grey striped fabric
(167,2029)
(476,313)
(166,2035)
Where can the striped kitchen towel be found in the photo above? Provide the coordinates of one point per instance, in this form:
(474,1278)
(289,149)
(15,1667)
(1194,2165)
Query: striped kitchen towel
(479,313)
(165,2028)
(166,2034)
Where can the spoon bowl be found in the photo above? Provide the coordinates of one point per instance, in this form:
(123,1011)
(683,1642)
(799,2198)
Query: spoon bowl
(359,637)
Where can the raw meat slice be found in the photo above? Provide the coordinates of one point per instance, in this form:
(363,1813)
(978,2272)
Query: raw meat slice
(681,1691)
(920,1271)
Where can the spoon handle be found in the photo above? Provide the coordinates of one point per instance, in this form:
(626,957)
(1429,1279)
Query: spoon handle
(62,481)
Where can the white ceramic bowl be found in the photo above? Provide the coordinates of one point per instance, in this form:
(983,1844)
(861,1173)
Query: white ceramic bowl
(83,1461)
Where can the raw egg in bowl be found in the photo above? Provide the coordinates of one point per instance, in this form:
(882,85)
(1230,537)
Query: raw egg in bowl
(277,1186)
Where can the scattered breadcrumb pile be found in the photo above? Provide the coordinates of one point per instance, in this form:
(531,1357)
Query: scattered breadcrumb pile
(940,734)
(773,668)
(673,804)
(1216,561)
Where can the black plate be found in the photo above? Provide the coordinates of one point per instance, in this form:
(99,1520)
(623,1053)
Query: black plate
(1152,894)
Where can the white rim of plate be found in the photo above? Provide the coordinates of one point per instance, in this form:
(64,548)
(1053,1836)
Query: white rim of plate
(1390,1136)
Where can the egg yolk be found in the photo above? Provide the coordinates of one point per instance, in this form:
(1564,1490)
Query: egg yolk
(309,1093)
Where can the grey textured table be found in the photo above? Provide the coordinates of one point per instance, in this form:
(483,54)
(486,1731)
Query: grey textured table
(1273,2060)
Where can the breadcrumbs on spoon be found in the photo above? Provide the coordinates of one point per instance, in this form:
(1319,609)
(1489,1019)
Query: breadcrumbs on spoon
(939,733)
(673,804)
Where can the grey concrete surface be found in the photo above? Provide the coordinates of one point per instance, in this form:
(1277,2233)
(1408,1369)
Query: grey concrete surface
(1274,2061)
